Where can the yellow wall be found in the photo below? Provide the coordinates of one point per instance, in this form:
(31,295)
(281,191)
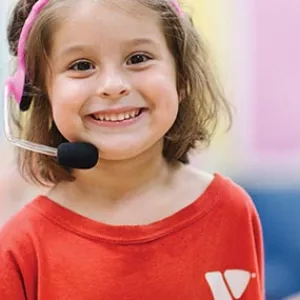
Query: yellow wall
(213,20)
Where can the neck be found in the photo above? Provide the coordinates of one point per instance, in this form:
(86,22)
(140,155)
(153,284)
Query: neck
(114,180)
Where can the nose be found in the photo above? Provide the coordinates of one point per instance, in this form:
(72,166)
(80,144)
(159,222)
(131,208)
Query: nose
(114,86)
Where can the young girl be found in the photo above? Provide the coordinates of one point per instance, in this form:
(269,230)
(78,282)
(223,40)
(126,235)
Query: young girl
(132,78)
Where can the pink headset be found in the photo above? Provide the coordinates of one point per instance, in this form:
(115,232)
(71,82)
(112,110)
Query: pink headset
(15,84)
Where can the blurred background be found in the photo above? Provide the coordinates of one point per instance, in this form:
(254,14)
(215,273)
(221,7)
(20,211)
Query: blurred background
(255,46)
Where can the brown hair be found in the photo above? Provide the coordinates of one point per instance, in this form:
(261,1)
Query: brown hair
(199,110)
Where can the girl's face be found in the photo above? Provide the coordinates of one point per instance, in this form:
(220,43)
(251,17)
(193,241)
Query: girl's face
(113,80)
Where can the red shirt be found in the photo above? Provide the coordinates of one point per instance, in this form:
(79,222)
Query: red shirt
(212,249)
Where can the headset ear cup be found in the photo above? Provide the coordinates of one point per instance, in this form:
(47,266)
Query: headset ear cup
(26,97)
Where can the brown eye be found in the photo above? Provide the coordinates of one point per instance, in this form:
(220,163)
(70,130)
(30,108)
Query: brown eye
(82,66)
(137,59)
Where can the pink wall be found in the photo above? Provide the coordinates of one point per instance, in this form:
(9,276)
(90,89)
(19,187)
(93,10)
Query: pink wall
(277,75)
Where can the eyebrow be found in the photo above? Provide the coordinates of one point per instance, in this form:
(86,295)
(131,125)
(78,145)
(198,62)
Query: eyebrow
(128,43)
(140,41)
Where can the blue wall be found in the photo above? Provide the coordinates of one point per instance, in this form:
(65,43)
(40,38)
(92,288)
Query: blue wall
(279,211)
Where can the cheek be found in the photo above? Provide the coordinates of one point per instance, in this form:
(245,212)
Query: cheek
(160,89)
(68,95)
(67,98)
(68,92)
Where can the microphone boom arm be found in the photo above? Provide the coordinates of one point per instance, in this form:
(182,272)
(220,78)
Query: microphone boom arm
(42,149)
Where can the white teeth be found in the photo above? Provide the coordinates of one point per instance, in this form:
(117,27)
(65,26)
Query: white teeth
(121,117)
(114,118)
(117,117)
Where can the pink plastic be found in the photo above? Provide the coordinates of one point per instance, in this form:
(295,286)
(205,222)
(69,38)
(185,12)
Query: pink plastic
(177,7)
(15,84)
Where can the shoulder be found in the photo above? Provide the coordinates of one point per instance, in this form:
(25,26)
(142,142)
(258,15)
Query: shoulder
(227,193)
(15,193)
(235,203)
(233,194)
(16,234)
(19,254)
(192,181)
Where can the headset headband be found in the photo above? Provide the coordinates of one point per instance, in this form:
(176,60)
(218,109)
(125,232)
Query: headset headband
(15,84)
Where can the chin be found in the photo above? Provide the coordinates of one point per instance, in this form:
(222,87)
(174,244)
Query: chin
(128,153)
(117,156)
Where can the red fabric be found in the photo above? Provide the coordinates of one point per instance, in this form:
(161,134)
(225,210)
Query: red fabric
(49,252)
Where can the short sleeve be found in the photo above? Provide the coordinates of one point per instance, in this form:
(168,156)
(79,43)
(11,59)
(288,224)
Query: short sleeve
(11,282)
(18,262)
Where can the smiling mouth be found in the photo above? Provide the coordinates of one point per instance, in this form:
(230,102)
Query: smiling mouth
(118,117)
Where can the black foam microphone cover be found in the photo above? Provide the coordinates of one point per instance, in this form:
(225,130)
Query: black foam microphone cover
(77,155)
